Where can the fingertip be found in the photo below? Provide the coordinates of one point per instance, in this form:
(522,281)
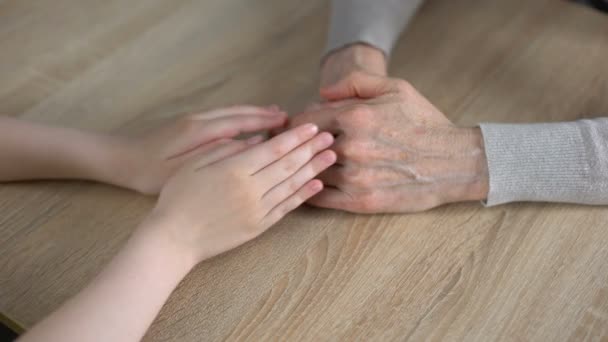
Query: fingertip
(315,186)
(329,156)
(327,138)
(312,128)
(304,132)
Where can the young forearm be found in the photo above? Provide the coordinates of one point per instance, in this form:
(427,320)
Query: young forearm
(121,303)
(229,196)
(35,151)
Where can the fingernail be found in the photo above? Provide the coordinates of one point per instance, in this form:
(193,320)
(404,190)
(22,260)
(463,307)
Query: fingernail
(312,128)
(255,140)
(316,185)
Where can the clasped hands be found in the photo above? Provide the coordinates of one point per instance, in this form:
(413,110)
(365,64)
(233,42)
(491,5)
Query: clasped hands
(393,152)
(374,145)
(396,151)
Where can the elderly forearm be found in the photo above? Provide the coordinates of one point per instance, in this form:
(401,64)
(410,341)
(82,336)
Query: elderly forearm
(35,151)
(553,162)
(374,22)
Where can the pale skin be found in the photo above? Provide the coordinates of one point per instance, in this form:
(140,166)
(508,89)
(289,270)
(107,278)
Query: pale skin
(396,151)
(216,193)
(140,163)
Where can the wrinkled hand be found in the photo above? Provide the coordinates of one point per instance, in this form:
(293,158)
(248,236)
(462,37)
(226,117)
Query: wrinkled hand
(234,192)
(148,161)
(396,151)
(353,58)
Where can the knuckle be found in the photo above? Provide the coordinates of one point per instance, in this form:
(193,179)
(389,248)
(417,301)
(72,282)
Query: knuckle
(361,112)
(294,186)
(278,150)
(290,165)
(352,175)
(355,150)
(236,177)
(358,114)
(359,178)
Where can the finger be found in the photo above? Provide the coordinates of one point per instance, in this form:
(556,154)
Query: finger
(202,149)
(277,172)
(292,184)
(276,131)
(236,110)
(233,125)
(359,84)
(276,148)
(332,198)
(199,132)
(227,150)
(310,189)
(338,103)
(324,119)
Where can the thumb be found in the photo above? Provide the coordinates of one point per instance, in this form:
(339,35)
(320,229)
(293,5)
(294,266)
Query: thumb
(358,84)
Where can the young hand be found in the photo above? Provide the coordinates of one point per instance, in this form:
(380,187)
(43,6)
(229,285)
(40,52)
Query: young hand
(148,161)
(218,200)
(233,192)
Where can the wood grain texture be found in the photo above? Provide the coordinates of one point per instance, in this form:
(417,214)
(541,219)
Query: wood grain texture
(520,272)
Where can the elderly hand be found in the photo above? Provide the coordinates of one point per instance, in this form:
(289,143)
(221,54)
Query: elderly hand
(357,57)
(396,151)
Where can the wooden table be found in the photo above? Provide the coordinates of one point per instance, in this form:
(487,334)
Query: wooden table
(460,272)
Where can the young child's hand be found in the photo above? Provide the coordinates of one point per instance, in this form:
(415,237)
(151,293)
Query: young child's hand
(233,192)
(148,161)
(220,199)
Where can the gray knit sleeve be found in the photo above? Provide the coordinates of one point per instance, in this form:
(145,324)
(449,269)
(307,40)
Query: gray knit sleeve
(374,22)
(549,162)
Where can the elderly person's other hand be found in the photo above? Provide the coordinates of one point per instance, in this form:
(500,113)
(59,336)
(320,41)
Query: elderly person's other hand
(396,151)
(353,58)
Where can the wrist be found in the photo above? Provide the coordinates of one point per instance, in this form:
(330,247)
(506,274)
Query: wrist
(466,168)
(356,57)
(478,189)
(160,235)
(110,161)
